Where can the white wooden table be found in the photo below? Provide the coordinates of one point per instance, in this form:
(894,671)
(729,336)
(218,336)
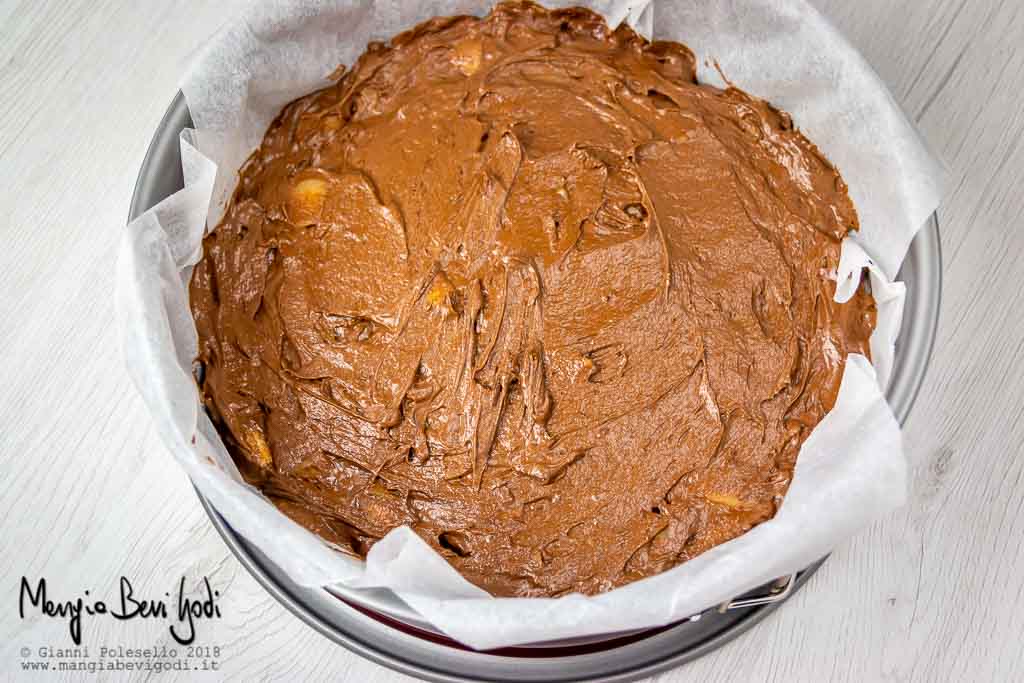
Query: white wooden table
(935,592)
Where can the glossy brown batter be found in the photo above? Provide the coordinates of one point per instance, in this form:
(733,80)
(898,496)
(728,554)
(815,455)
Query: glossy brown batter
(522,284)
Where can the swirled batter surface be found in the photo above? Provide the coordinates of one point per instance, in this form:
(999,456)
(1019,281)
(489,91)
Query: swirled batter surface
(521,283)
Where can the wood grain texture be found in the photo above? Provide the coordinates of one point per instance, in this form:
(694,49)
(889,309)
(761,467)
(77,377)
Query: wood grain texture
(934,592)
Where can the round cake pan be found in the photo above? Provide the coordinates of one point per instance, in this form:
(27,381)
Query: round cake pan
(380,627)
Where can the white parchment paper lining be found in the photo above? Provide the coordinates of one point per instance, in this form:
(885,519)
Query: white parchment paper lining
(850,471)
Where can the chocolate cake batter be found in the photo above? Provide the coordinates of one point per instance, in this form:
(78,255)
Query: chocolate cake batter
(524,285)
